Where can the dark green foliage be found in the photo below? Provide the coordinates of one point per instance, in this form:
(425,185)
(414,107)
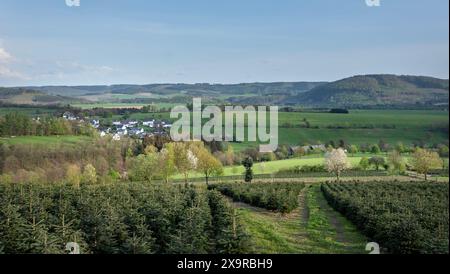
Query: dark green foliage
(126,218)
(339,111)
(280,197)
(227,229)
(402,217)
(248,165)
(303,169)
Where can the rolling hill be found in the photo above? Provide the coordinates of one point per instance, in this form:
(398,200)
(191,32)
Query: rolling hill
(288,88)
(20,96)
(376,90)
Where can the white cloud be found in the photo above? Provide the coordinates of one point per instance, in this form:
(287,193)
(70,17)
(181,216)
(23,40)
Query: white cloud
(7,73)
(4,56)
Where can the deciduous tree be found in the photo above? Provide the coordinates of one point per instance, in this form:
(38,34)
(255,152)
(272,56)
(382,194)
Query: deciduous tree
(208,164)
(423,160)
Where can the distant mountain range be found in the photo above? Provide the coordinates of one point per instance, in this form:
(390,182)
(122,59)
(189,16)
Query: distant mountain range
(358,91)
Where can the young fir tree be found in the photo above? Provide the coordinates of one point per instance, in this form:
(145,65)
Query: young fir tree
(13,230)
(248,165)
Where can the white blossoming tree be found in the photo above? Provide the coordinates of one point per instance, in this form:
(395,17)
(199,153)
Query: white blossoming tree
(336,162)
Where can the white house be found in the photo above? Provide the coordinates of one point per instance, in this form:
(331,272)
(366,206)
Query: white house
(116,137)
(69,116)
(149,123)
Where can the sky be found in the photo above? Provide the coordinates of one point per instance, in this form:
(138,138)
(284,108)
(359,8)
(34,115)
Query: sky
(46,42)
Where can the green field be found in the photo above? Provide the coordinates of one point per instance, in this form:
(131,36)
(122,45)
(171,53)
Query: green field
(45,140)
(274,166)
(358,127)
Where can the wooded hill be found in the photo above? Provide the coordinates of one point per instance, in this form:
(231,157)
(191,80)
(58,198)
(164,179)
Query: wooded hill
(21,96)
(376,91)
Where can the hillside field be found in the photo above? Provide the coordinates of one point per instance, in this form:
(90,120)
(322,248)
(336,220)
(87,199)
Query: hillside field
(358,127)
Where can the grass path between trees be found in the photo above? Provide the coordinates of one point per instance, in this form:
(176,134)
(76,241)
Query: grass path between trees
(313,228)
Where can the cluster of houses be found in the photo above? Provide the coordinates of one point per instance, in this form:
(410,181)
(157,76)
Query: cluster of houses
(119,129)
(135,128)
(70,116)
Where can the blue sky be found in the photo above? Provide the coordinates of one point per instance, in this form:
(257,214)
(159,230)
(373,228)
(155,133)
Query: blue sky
(45,42)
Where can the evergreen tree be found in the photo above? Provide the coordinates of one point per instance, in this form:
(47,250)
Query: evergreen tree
(248,165)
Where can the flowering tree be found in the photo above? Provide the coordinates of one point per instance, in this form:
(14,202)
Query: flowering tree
(336,161)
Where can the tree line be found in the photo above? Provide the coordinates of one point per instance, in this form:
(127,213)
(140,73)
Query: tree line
(89,162)
(17,124)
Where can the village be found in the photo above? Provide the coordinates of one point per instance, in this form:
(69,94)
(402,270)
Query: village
(129,128)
